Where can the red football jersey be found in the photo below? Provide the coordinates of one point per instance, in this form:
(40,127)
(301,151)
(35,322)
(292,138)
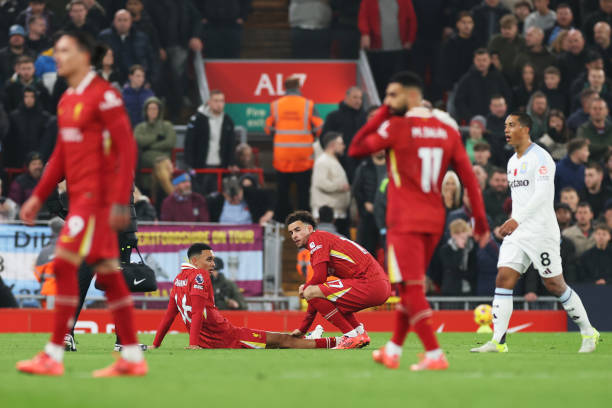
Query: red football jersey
(420,147)
(346,259)
(216,331)
(95,149)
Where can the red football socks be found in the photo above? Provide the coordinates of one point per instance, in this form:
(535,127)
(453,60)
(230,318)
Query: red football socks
(402,327)
(120,304)
(326,342)
(419,312)
(350,317)
(66,300)
(329,311)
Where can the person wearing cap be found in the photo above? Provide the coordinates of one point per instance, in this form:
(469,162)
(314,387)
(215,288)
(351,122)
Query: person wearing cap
(184,205)
(9,54)
(23,185)
(227,293)
(241,202)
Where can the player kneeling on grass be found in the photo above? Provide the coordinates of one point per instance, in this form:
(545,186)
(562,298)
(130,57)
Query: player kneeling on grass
(362,284)
(193,297)
(531,235)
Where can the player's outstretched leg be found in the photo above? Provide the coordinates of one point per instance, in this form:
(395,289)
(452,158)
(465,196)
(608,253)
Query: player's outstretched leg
(280,340)
(49,362)
(575,309)
(132,361)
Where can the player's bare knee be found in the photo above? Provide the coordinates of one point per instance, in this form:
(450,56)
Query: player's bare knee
(312,292)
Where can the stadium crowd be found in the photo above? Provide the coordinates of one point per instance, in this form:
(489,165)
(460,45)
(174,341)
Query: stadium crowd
(480,61)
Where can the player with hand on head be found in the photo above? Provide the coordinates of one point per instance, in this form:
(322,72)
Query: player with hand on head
(192,296)
(531,235)
(95,152)
(421,144)
(361,283)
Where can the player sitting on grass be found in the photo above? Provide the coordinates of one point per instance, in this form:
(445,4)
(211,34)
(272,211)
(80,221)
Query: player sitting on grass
(362,282)
(192,296)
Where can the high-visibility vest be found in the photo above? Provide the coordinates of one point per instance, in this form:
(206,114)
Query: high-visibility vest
(45,275)
(304,268)
(293,124)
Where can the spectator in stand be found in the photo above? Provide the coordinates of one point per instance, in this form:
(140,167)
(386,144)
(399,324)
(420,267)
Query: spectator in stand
(560,45)
(184,205)
(8,208)
(310,22)
(607,218)
(581,233)
(15,49)
(564,21)
(24,184)
(486,20)
(597,82)
(482,156)
(458,261)
(522,9)
(538,111)
(96,14)
(495,135)
(598,130)
(245,159)
(536,54)
(227,293)
(557,98)
(130,47)
(37,8)
(572,62)
(564,216)
(141,21)
(210,140)
(464,213)
(37,39)
(495,197)
(145,212)
(593,61)
(77,19)
(135,93)
(607,169)
(179,25)
(347,120)
(581,115)
(603,44)
(596,263)
(330,184)
(24,78)
(457,53)
(604,13)
(239,205)
(570,196)
(223,21)
(156,138)
(481,176)
(388,31)
(27,125)
(542,17)
(526,87)
(595,193)
(475,88)
(368,177)
(451,191)
(9,9)
(294,121)
(327,220)
(507,45)
(556,136)
(478,125)
(345,30)
(107,68)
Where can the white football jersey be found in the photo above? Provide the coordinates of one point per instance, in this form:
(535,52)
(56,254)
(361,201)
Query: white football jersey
(532,181)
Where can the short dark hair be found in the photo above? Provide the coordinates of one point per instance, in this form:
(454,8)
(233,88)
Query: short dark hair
(86,43)
(197,249)
(481,51)
(568,189)
(563,5)
(552,70)
(326,214)
(75,3)
(137,67)
(584,204)
(463,14)
(576,144)
(594,166)
(523,118)
(498,170)
(301,215)
(24,59)
(482,146)
(292,83)
(601,226)
(329,137)
(498,96)
(407,79)
(586,93)
(215,92)
(508,21)
(522,4)
(33,18)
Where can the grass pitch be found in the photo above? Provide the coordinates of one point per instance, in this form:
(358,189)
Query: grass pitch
(541,370)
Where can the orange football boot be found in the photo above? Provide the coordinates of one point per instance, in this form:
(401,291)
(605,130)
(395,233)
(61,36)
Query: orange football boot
(123,368)
(346,342)
(41,364)
(381,357)
(425,363)
(365,340)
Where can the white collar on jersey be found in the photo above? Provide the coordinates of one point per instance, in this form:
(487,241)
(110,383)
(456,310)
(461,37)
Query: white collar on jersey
(83,85)
(420,112)
(187,265)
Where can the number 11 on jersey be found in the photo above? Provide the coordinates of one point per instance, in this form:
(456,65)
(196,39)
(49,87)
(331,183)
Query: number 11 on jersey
(431,161)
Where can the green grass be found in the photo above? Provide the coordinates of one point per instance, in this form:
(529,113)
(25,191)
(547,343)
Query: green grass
(541,370)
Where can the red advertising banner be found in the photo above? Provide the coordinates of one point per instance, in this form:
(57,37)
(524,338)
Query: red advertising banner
(262,81)
(100,321)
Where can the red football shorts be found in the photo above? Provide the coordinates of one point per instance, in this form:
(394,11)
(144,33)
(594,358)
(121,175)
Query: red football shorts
(249,338)
(409,255)
(353,295)
(88,233)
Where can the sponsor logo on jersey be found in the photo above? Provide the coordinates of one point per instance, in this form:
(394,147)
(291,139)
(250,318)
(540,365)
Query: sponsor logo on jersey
(543,170)
(198,287)
(180,282)
(523,168)
(426,132)
(111,100)
(519,183)
(312,245)
(199,279)
(71,135)
(76,114)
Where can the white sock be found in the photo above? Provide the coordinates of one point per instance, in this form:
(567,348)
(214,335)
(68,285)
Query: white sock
(55,352)
(393,349)
(360,329)
(434,354)
(352,333)
(575,310)
(132,353)
(502,310)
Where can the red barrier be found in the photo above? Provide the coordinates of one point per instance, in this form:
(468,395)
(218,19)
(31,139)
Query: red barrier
(100,321)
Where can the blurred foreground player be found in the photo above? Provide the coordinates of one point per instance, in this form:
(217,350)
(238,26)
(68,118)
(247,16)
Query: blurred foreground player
(193,296)
(362,282)
(95,153)
(420,144)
